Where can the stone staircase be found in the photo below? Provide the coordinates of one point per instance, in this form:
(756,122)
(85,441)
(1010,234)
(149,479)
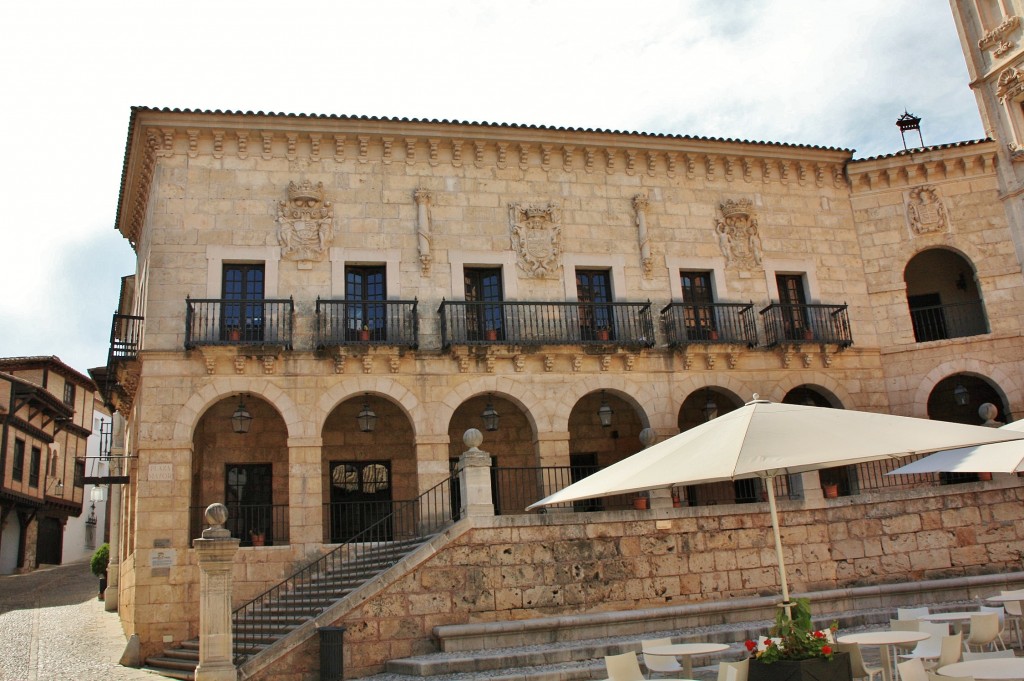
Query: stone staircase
(268,618)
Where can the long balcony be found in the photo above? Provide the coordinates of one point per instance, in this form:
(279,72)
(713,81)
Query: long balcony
(939,322)
(785,323)
(360,322)
(519,323)
(689,323)
(256,321)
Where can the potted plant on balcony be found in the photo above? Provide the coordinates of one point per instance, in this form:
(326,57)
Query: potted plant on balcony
(641,502)
(259,538)
(796,651)
(364,333)
(491,334)
(603,333)
(234,333)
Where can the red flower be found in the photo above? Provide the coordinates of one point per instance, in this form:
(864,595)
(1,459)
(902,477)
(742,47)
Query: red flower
(819,634)
(826,650)
(750,645)
(768,642)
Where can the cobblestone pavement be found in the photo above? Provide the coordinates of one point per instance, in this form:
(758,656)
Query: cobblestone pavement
(53,627)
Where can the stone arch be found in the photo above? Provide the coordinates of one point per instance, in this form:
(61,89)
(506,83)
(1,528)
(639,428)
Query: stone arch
(380,386)
(633,393)
(522,395)
(815,379)
(224,386)
(1004,383)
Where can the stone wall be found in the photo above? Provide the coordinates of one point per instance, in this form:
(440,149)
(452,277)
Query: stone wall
(518,567)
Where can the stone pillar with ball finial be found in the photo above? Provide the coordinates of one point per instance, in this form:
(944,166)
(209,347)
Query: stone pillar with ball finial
(216,554)
(475,477)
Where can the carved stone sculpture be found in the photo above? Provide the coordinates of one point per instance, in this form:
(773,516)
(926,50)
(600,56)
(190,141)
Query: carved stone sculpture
(305,222)
(925,210)
(737,233)
(536,239)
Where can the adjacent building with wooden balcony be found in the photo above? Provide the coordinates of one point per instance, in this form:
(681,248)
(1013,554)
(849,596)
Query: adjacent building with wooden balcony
(46,418)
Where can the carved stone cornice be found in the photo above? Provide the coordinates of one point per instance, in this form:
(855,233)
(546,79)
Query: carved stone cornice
(996,38)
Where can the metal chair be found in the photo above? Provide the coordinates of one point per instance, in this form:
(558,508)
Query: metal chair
(624,667)
(659,664)
(858,669)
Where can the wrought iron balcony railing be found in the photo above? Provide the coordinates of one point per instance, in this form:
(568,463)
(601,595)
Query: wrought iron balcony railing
(687,323)
(253,321)
(785,323)
(519,323)
(939,322)
(366,322)
(125,337)
(253,524)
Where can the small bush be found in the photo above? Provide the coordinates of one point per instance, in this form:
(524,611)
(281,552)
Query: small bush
(98,565)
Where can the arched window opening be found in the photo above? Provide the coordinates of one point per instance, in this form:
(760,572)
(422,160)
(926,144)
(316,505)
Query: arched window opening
(943,297)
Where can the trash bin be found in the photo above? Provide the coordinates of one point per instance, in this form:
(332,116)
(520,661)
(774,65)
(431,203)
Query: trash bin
(332,653)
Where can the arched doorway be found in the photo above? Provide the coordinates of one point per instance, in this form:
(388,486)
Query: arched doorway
(943,296)
(369,471)
(699,407)
(838,481)
(958,399)
(246,471)
(510,445)
(603,429)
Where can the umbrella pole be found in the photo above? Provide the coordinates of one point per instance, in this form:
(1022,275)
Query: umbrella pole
(769,482)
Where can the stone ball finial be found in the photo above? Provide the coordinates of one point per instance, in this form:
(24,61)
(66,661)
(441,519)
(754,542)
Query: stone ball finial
(473,438)
(216,515)
(647,437)
(988,412)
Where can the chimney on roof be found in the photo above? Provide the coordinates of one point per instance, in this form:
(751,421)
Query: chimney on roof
(909,121)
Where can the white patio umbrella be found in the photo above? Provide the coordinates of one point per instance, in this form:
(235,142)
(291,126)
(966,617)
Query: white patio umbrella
(1001,457)
(764,439)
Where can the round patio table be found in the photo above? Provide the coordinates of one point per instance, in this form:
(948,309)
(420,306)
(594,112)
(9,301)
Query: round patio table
(885,640)
(685,651)
(995,668)
(957,619)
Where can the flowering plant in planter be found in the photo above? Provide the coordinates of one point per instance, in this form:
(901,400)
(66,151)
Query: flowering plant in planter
(794,638)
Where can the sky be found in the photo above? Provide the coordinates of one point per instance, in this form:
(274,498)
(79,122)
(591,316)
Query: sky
(819,72)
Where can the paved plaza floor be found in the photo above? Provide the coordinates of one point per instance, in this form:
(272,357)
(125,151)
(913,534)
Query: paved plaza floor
(54,627)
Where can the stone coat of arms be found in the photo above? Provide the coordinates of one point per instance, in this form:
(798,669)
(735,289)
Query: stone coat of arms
(536,239)
(305,222)
(925,210)
(737,234)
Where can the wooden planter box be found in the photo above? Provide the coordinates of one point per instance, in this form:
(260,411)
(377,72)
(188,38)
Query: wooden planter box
(815,669)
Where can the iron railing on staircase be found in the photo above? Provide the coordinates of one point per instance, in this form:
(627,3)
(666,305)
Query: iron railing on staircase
(317,586)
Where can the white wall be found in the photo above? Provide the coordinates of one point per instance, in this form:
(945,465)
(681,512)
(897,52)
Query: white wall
(77,544)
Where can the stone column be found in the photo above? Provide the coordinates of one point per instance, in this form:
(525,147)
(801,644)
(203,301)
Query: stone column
(305,493)
(216,555)
(117,452)
(660,498)
(475,477)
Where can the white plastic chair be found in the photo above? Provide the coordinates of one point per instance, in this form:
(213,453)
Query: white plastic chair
(952,649)
(1001,613)
(904,625)
(912,670)
(858,669)
(624,667)
(930,648)
(1015,614)
(734,671)
(984,631)
(659,664)
(911,613)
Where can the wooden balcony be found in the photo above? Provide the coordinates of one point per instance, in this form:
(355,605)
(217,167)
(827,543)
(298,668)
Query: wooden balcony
(363,322)
(533,324)
(707,323)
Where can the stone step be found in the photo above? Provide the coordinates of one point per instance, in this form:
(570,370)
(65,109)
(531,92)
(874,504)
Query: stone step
(171,673)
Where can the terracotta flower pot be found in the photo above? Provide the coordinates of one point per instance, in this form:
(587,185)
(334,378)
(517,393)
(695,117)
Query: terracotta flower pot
(831,491)
(640,503)
(364,335)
